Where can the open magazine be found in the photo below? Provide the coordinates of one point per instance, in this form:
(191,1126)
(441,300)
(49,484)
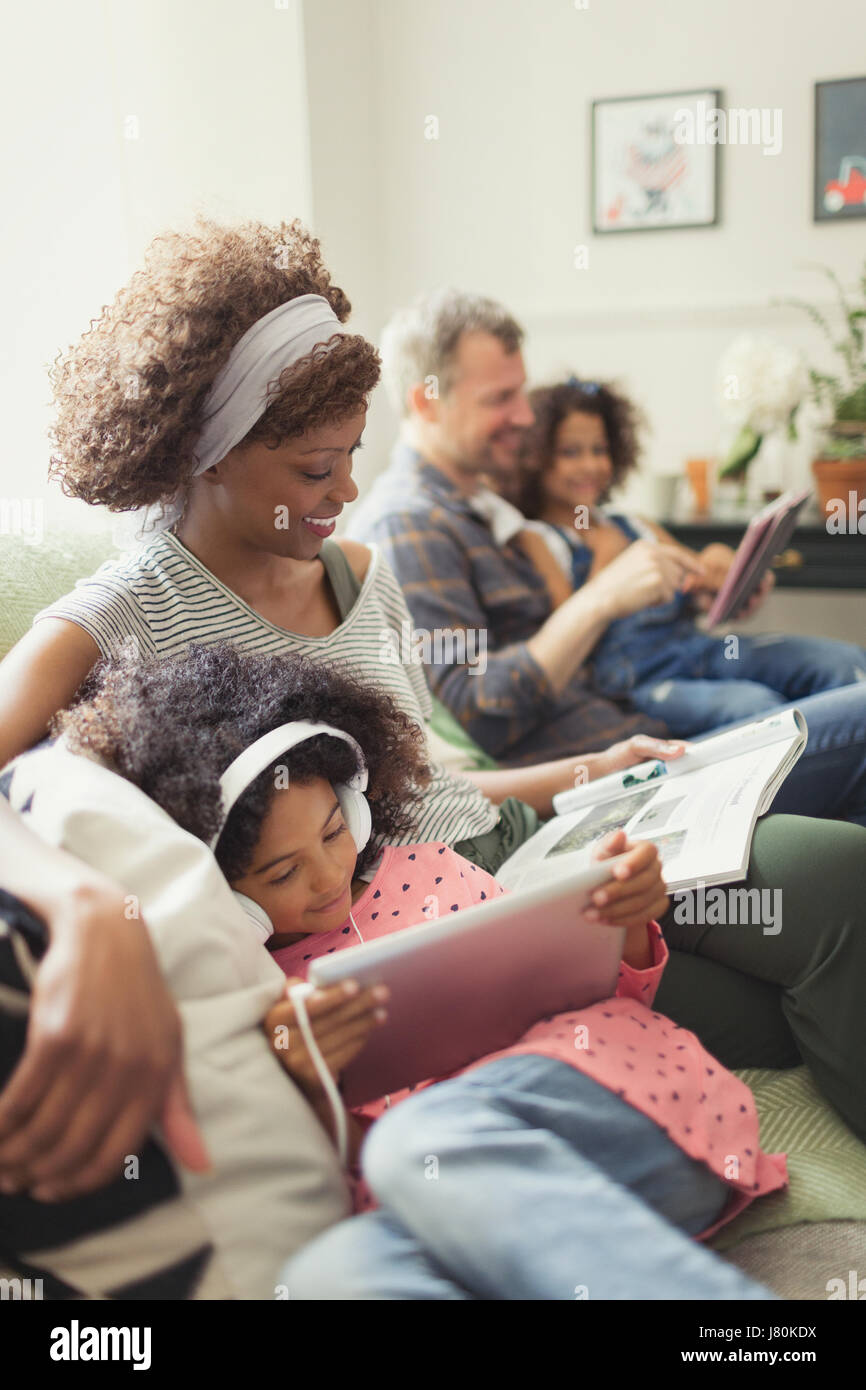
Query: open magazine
(699,810)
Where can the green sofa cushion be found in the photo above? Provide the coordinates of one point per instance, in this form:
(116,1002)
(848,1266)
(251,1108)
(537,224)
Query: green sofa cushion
(32,575)
(449,729)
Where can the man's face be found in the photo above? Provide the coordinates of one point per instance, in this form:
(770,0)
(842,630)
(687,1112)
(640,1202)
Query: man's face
(481,421)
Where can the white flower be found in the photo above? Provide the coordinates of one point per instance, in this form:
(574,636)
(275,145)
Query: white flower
(760,381)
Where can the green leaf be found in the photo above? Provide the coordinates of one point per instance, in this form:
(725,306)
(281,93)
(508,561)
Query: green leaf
(741,453)
(841,449)
(848,349)
(853,406)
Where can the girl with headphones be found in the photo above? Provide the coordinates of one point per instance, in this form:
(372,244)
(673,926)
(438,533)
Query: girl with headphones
(305,782)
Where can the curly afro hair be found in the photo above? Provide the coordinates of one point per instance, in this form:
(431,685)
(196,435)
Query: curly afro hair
(129,395)
(623,422)
(172,725)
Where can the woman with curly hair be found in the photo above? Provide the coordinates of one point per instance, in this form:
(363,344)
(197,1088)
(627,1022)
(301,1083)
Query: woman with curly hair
(584,444)
(610,1186)
(220,397)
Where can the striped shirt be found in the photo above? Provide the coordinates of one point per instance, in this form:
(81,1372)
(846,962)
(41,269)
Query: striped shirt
(164,598)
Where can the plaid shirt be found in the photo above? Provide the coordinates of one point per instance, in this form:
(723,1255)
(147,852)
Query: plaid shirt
(457,581)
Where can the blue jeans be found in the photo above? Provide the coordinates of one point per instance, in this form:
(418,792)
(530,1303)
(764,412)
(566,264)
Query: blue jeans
(521,1180)
(706,681)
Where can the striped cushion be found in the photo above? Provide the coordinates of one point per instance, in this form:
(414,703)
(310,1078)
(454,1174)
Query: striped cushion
(826,1162)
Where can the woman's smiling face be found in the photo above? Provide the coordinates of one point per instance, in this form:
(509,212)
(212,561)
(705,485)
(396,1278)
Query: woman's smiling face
(303,863)
(286,500)
(580,471)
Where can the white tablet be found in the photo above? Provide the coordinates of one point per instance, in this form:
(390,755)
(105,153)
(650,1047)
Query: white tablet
(469,984)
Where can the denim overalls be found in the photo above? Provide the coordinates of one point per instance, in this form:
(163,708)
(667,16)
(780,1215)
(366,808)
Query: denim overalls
(665,666)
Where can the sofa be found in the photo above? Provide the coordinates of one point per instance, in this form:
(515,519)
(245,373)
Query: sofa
(808,1242)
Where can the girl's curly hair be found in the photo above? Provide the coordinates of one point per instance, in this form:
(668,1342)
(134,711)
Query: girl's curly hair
(129,394)
(623,423)
(172,725)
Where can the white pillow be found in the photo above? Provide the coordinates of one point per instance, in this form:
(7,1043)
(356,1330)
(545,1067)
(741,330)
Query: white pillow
(276,1180)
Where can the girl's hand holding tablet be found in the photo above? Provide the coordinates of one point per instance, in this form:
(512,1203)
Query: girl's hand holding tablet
(646,573)
(342,1018)
(634,896)
(716,560)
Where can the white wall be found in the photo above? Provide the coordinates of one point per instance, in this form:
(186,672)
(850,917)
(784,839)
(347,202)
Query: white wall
(346,149)
(218,91)
(250,107)
(499,202)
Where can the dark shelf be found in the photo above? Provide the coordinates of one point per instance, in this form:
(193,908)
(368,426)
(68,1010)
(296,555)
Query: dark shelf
(815,559)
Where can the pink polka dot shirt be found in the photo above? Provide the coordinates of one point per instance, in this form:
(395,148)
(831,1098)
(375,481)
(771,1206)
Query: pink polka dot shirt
(622,1043)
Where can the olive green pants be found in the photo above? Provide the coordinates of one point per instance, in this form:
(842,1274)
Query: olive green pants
(759,998)
(788,985)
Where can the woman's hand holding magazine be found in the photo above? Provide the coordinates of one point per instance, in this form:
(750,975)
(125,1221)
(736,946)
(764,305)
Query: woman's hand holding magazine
(699,809)
(629,752)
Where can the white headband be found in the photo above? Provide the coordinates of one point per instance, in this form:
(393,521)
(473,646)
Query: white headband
(239,394)
(260,754)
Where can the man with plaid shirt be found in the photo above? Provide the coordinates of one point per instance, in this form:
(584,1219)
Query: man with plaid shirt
(454,368)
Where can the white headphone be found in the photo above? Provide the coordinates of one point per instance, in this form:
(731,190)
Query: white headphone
(246,768)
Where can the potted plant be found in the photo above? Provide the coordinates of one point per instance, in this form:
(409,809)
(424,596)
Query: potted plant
(840,468)
(761,385)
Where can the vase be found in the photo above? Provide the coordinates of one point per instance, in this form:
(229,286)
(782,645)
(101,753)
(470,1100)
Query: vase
(782,465)
(841,480)
(767,475)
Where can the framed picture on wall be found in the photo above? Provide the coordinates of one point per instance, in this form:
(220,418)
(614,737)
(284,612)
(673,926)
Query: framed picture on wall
(655,161)
(840,150)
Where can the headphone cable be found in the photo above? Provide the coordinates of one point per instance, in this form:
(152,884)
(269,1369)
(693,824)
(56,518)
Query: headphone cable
(298,995)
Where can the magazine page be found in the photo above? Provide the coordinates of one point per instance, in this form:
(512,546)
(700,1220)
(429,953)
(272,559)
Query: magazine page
(787,724)
(702,825)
